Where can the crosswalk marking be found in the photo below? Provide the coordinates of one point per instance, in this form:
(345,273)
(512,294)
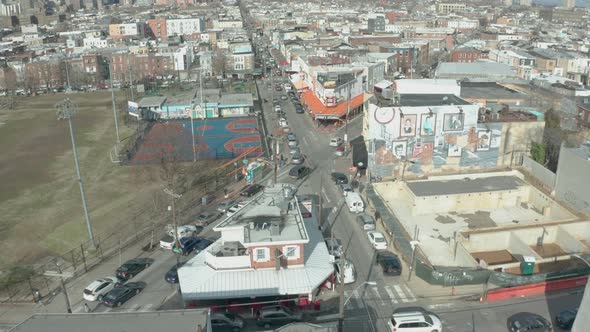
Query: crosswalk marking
(376,291)
(78,309)
(399,290)
(134,307)
(411,296)
(355,299)
(391,295)
(146,307)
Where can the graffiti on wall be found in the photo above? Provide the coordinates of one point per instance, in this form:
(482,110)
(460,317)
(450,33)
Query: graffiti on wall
(437,139)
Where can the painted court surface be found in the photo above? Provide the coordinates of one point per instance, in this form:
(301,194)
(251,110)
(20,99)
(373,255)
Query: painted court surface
(214,139)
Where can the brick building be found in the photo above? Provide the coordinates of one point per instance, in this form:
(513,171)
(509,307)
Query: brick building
(467,54)
(156,29)
(138,67)
(45,74)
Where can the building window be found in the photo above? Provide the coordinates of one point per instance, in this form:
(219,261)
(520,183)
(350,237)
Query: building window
(291,252)
(261,254)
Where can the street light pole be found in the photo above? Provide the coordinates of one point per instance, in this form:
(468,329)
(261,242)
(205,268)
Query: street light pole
(66,109)
(114,106)
(414,245)
(175,225)
(61,277)
(343,303)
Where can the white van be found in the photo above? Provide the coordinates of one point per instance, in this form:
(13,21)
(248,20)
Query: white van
(354,202)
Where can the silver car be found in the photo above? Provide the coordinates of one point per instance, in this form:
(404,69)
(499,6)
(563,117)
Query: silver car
(297,159)
(366,221)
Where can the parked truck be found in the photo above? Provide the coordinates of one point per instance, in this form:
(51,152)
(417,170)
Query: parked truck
(354,202)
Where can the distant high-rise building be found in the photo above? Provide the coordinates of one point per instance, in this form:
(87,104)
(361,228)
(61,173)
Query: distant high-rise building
(570,4)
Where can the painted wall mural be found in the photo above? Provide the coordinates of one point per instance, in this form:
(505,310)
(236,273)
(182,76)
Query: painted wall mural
(431,139)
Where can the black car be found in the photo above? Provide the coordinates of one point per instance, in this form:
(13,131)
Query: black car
(132,267)
(299,171)
(119,295)
(339,178)
(251,190)
(529,322)
(566,318)
(389,263)
(187,245)
(172,274)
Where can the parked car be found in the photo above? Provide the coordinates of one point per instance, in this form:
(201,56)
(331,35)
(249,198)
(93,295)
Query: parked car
(414,321)
(349,272)
(283,123)
(119,295)
(565,319)
(191,244)
(527,321)
(167,242)
(339,178)
(377,240)
(299,109)
(283,97)
(207,217)
(294,150)
(389,262)
(223,206)
(132,267)
(335,247)
(98,288)
(226,320)
(297,159)
(235,208)
(277,108)
(339,152)
(172,274)
(251,190)
(346,188)
(293,143)
(336,141)
(367,222)
(183,230)
(291,137)
(276,315)
(299,171)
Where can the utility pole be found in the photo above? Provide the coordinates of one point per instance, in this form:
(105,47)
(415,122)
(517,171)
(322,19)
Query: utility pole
(341,292)
(61,277)
(114,107)
(66,109)
(174,197)
(347,114)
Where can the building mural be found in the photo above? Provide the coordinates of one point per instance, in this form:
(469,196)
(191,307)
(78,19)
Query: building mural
(430,139)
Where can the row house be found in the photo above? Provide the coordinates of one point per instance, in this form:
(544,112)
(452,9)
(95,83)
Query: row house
(137,67)
(47,73)
(447,34)
(157,29)
(468,54)
(240,60)
(184,26)
(356,41)
(127,30)
(513,58)
(268,248)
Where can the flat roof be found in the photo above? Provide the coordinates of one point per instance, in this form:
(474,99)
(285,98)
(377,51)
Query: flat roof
(489,90)
(410,99)
(199,281)
(270,207)
(182,320)
(475,68)
(154,101)
(465,186)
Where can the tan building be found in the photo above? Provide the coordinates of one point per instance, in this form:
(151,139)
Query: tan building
(447,8)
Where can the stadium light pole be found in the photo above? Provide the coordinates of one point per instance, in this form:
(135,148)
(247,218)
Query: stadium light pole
(66,109)
(114,107)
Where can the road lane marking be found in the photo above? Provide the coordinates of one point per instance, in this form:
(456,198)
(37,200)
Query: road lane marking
(376,291)
(391,295)
(326,195)
(399,290)
(305,141)
(411,295)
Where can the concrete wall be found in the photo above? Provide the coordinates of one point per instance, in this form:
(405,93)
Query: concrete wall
(567,241)
(573,174)
(517,246)
(467,202)
(545,176)
(488,241)
(463,257)
(547,206)
(580,231)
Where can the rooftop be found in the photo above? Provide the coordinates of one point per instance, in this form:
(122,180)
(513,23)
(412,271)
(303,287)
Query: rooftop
(155,101)
(269,217)
(489,90)
(413,100)
(476,69)
(233,99)
(182,320)
(465,185)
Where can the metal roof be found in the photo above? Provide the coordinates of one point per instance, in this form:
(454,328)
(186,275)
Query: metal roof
(155,101)
(182,320)
(198,281)
(485,69)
